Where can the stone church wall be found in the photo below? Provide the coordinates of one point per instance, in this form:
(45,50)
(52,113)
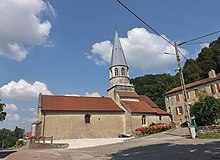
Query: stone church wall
(67,125)
(150,118)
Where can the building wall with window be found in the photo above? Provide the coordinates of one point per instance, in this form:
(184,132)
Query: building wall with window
(139,119)
(69,117)
(70,125)
(174,99)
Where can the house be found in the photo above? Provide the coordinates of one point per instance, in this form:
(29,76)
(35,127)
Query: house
(174,98)
(122,112)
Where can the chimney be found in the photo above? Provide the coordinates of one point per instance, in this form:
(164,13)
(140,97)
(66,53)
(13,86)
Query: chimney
(212,73)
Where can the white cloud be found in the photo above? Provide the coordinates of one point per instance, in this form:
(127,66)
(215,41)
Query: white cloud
(22,26)
(33,117)
(87,94)
(49,44)
(77,95)
(32,109)
(93,94)
(203,45)
(23,90)
(11,107)
(102,49)
(142,49)
(13,117)
(198,50)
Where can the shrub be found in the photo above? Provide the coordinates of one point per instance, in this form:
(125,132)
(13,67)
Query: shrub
(155,128)
(206,111)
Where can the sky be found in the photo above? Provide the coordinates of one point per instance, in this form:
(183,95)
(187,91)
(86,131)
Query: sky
(64,47)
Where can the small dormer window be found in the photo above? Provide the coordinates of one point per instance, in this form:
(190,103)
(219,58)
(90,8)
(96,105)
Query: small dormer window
(123,71)
(116,71)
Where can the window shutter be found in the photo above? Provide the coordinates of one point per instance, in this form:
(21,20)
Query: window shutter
(218,87)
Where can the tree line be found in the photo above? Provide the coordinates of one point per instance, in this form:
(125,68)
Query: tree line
(155,86)
(9,138)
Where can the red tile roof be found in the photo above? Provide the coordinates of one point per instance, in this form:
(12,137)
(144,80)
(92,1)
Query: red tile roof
(127,94)
(194,84)
(148,101)
(73,103)
(160,111)
(138,107)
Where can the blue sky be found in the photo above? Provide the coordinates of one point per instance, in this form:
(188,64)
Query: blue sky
(63,47)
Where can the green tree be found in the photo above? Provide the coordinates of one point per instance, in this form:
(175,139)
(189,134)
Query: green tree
(18,132)
(206,111)
(9,138)
(2,114)
(191,71)
(206,61)
(154,86)
(215,47)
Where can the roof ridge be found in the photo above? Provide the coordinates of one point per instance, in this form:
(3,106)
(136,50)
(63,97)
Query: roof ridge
(77,96)
(193,84)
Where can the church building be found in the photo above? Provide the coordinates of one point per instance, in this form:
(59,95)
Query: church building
(121,112)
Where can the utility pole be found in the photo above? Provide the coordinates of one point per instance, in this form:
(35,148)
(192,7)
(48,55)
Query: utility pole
(188,118)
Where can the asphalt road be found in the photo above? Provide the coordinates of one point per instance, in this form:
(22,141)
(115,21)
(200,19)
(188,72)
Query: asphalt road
(169,145)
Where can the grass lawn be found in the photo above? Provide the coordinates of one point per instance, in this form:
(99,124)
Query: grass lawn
(210,136)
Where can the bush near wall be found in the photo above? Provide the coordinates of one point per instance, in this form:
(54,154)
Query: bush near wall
(152,129)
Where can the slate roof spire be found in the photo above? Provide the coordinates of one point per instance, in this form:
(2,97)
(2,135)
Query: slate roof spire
(118,57)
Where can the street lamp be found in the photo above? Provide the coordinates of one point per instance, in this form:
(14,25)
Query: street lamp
(188,118)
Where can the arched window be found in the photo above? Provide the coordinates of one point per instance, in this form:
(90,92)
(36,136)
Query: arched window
(123,71)
(116,71)
(87,118)
(143,119)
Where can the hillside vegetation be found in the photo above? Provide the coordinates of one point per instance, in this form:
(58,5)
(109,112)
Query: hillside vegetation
(154,86)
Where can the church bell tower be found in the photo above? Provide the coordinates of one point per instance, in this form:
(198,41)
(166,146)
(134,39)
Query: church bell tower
(119,75)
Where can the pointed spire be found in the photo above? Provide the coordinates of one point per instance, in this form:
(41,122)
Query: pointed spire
(118,57)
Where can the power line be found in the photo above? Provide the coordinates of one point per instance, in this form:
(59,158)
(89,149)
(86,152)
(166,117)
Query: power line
(198,38)
(149,26)
(145,23)
(195,43)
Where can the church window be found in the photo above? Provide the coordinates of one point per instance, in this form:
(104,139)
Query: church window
(143,119)
(116,71)
(123,71)
(87,118)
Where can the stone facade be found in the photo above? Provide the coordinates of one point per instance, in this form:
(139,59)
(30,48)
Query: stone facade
(174,99)
(201,130)
(70,125)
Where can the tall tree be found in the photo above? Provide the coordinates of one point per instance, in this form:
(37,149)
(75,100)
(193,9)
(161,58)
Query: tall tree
(215,47)
(2,114)
(154,86)
(19,132)
(206,61)
(191,71)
